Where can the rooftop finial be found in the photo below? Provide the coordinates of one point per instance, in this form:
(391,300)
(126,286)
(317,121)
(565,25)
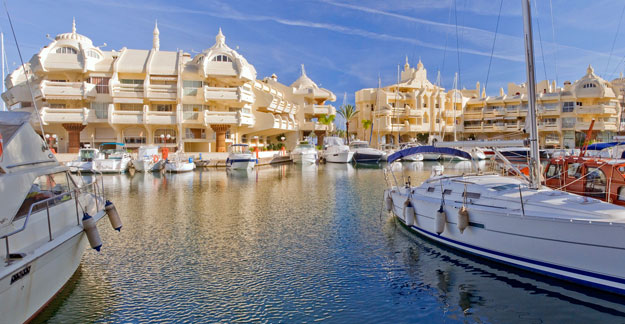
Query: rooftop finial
(303,70)
(220,38)
(73,25)
(419,65)
(590,70)
(156,42)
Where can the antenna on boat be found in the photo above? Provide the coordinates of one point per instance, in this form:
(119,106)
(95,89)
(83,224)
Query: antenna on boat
(534,163)
(26,76)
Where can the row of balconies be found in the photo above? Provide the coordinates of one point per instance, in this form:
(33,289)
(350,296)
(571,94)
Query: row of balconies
(318,110)
(170,92)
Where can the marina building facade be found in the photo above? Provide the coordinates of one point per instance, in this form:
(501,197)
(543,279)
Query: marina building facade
(414,108)
(86,95)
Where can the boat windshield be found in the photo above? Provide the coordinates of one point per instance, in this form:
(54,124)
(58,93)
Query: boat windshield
(305,146)
(359,145)
(330,141)
(115,154)
(87,155)
(239,149)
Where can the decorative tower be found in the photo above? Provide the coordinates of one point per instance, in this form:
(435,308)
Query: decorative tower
(303,70)
(156,42)
(220,39)
(73,25)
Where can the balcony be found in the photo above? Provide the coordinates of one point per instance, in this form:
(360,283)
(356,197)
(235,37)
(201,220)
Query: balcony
(549,111)
(221,117)
(50,90)
(161,117)
(605,126)
(513,127)
(596,110)
(416,112)
(283,123)
(163,91)
(64,115)
(319,110)
(126,117)
(452,114)
(473,114)
(238,94)
(131,91)
(582,126)
(499,112)
(313,126)
(549,126)
(473,127)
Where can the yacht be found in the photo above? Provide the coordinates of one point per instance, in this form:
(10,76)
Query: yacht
(148,159)
(514,220)
(240,157)
(114,160)
(363,153)
(177,163)
(48,219)
(84,162)
(336,151)
(304,153)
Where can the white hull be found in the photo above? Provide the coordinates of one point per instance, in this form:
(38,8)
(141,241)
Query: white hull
(75,166)
(304,158)
(575,250)
(413,158)
(179,166)
(430,156)
(240,161)
(147,165)
(111,165)
(242,165)
(342,157)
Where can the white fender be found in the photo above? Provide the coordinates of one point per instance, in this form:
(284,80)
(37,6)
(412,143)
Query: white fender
(90,228)
(463,219)
(409,215)
(388,200)
(111,211)
(441,219)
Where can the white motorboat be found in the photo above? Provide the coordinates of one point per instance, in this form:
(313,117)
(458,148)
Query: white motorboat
(514,220)
(363,153)
(47,220)
(304,153)
(148,160)
(84,162)
(240,157)
(415,157)
(336,151)
(114,161)
(177,163)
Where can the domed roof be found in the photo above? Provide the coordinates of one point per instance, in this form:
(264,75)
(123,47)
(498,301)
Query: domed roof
(244,69)
(592,85)
(74,37)
(304,82)
(305,86)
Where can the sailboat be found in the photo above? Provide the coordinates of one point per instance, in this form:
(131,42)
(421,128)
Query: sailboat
(514,220)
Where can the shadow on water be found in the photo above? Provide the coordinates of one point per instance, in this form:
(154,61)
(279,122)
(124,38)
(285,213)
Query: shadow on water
(55,305)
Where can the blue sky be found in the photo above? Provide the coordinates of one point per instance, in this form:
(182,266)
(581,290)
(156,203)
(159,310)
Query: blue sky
(346,44)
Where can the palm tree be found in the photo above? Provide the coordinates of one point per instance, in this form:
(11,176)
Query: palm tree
(326,120)
(366,123)
(348,112)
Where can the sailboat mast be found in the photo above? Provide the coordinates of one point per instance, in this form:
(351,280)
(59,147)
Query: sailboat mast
(534,163)
(3,86)
(453,103)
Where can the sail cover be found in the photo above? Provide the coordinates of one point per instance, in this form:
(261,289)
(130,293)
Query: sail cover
(601,146)
(427,149)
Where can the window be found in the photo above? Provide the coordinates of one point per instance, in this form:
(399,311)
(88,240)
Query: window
(44,187)
(447,192)
(553,172)
(195,133)
(57,105)
(574,170)
(189,87)
(192,112)
(94,54)
(131,107)
(101,84)
(578,104)
(131,81)
(589,85)
(165,132)
(221,58)
(66,50)
(101,109)
(621,193)
(595,183)
(472,195)
(568,106)
(163,107)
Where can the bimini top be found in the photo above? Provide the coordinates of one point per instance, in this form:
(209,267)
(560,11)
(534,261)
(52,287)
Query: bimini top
(113,143)
(239,145)
(427,149)
(601,146)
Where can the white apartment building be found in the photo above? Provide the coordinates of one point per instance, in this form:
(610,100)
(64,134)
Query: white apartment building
(86,95)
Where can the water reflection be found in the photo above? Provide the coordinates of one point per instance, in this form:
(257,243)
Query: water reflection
(293,244)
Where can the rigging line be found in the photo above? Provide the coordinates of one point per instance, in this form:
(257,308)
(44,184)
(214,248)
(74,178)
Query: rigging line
(540,41)
(457,42)
(446,37)
(26,75)
(614,41)
(553,34)
(492,51)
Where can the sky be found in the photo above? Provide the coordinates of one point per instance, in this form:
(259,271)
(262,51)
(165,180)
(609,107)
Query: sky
(346,45)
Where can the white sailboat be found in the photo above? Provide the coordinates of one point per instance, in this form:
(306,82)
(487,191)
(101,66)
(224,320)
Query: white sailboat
(513,220)
(148,159)
(178,163)
(47,218)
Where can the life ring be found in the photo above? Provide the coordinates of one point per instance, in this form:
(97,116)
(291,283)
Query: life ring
(155,158)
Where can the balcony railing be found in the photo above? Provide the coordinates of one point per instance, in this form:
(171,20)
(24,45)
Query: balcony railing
(163,91)
(66,90)
(128,90)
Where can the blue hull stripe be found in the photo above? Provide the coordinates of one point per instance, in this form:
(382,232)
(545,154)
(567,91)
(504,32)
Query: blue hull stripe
(539,263)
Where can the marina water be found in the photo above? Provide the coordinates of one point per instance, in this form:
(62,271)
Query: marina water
(295,244)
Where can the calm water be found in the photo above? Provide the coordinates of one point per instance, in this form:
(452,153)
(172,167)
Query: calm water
(286,244)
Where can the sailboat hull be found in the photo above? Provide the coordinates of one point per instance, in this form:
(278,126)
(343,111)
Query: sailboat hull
(575,251)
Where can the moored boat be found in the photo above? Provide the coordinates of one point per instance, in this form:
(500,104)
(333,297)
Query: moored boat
(335,150)
(240,157)
(84,162)
(363,153)
(179,163)
(114,160)
(148,160)
(304,153)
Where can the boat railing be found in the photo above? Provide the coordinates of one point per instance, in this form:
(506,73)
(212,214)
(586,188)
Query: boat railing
(93,187)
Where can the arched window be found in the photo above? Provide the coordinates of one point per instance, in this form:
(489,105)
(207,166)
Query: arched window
(589,85)
(221,58)
(66,50)
(94,54)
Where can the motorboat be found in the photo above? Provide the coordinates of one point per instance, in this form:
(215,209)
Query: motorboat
(84,162)
(114,160)
(416,157)
(388,149)
(477,154)
(304,153)
(177,162)
(240,157)
(514,220)
(335,150)
(148,160)
(48,219)
(363,153)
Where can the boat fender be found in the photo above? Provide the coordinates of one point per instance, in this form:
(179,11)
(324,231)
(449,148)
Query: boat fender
(463,219)
(111,211)
(155,158)
(90,228)
(409,214)
(441,219)
(388,200)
